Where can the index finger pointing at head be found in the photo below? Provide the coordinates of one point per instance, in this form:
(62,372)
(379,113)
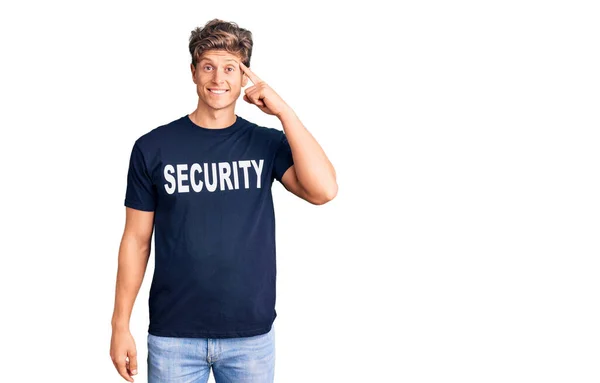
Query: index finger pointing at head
(254,78)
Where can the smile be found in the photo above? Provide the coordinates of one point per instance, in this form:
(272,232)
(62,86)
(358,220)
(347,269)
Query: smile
(218,91)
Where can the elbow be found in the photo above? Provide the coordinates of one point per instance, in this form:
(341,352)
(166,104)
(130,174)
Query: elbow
(327,196)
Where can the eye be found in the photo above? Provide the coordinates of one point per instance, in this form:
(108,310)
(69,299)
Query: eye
(231,69)
(206,66)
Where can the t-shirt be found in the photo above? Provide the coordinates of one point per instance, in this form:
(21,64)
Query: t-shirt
(214,225)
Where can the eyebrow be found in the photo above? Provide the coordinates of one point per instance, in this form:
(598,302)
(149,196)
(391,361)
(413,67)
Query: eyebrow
(207,59)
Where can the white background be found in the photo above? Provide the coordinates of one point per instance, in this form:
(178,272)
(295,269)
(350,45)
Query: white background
(463,244)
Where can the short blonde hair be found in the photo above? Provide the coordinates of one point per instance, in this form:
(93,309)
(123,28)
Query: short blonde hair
(221,35)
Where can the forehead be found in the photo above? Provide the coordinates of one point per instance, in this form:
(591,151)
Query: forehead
(219,56)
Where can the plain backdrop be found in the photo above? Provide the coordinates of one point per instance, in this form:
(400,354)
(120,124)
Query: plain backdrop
(463,245)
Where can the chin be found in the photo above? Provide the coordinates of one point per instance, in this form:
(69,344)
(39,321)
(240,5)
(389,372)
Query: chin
(219,106)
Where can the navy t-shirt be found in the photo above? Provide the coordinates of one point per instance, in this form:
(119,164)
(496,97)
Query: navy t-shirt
(214,225)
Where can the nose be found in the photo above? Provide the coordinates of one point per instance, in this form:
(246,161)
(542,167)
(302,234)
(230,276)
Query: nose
(218,77)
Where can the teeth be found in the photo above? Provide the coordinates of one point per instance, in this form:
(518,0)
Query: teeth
(218,91)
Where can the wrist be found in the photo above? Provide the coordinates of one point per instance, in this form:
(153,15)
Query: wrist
(286,113)
(120,325)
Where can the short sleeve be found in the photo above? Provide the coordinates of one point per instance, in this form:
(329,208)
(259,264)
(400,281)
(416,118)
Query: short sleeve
(140,193)
(283,158)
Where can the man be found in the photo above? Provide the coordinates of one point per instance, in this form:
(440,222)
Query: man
(202,183)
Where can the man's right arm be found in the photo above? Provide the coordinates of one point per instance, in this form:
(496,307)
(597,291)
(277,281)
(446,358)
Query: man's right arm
(134,252)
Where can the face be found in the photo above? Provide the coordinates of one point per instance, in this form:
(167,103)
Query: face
(218,78)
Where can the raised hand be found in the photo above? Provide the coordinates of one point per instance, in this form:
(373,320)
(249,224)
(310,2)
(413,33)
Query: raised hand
(262,95)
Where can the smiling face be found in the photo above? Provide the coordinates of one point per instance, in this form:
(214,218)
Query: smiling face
(219,79)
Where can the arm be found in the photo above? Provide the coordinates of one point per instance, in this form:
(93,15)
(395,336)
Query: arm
(312,177)
(134,252)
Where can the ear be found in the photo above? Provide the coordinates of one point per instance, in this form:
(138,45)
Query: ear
(193,69)
(244,80)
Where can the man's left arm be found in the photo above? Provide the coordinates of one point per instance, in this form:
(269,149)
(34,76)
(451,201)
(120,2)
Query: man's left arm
(312,177)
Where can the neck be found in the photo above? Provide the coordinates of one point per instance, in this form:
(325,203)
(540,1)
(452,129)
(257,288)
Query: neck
(213,118)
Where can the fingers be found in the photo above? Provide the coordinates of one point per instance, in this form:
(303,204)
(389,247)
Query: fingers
(253,100)
(121,367)
(133,364)
(253,77)
(124,354)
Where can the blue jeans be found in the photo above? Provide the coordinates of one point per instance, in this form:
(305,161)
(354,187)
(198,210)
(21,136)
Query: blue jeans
(233,360)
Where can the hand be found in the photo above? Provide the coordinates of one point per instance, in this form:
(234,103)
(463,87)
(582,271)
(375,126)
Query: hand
(122,346)
(262,95)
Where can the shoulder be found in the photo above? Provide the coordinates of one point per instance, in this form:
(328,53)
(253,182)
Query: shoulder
(158,134)
(272,134)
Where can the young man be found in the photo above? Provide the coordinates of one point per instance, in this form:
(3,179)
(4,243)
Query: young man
(202,183)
